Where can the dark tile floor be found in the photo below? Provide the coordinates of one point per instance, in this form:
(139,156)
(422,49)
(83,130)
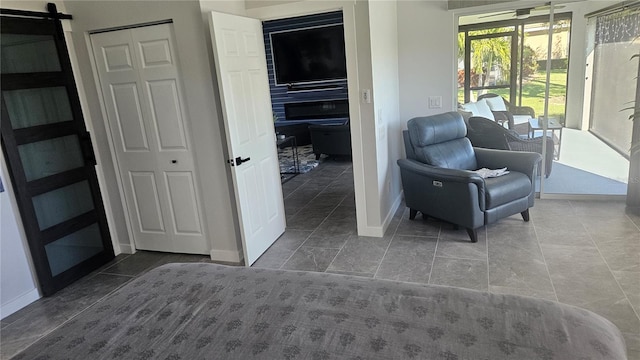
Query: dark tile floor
(583,253)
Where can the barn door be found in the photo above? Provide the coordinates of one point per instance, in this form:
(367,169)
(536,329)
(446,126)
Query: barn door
(49,154)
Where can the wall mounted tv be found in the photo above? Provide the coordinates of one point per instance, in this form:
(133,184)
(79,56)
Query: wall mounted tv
(313,54)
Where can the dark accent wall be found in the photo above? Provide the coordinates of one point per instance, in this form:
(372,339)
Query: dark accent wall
(279,94)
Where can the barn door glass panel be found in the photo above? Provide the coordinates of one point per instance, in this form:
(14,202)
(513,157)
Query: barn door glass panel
(37,106)
(27,53)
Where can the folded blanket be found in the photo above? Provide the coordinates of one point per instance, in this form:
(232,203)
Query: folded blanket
(489,173)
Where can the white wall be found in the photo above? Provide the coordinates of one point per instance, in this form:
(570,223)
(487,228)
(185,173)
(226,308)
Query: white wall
(426,48)
(202,103)
(383,25)
(18,286)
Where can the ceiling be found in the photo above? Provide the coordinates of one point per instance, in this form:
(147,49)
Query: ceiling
(500,10)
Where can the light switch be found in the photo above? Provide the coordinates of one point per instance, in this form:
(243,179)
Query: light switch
(435,102)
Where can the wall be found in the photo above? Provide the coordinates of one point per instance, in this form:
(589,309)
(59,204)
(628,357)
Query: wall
(383,25)
(202,102)
(17,280)
(426,51)
(279,94)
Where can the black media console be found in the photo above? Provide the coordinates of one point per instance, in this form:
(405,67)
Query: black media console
(323,109)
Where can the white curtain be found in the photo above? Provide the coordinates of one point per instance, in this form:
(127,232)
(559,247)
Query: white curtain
(616,38)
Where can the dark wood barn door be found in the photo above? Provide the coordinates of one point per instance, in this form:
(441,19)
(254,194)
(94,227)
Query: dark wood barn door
(49,153)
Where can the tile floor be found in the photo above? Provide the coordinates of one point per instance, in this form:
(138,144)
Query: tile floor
(583,253)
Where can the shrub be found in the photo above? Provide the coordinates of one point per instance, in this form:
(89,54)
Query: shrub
(529,62)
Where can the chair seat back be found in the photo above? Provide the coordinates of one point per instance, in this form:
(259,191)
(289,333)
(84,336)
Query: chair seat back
(439,140)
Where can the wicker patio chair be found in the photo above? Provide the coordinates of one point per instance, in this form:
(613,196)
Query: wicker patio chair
(507,116)
(488,134)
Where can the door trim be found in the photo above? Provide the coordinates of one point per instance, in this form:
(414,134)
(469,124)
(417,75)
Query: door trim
(347,7)
(128,27)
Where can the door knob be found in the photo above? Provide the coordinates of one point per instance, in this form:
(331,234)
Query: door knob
(174,161)
(240,160)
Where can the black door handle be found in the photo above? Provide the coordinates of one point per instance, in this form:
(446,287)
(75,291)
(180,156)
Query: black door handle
(87,148)
(240,160)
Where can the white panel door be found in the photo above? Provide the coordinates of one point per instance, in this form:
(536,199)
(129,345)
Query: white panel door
(241,68)
(140,82)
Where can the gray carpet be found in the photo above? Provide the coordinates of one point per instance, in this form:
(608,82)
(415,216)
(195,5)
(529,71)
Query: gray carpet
(201,311)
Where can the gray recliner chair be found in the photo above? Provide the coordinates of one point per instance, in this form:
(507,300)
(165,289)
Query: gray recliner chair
(331,140)
(439,181)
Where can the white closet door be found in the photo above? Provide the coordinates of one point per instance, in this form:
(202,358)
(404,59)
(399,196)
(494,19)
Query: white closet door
(140,82)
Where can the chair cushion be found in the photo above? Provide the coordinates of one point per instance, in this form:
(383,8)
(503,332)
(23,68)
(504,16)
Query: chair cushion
(521,119)
(484,110)
(496,103)
(469,107)
(504,189)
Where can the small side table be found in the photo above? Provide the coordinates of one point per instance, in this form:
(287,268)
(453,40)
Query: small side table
(294,154)
(535,125)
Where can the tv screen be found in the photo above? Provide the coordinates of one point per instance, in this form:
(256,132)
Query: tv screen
(308,55)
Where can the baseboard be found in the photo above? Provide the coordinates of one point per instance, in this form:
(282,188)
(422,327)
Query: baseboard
(378,231)
(18,303)
(126,249)
(392,211)
(371,231)
(226,256)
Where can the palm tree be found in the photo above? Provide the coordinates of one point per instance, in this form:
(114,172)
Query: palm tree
(485,53)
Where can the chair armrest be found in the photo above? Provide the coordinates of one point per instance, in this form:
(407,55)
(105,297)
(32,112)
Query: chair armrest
(461,187)
(455,175)
(504,116)
(523,110)
(520,161)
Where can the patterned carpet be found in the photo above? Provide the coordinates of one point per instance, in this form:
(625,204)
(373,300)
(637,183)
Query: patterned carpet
(307,161)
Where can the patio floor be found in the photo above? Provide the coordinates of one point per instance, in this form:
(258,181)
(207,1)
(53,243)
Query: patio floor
(587,166)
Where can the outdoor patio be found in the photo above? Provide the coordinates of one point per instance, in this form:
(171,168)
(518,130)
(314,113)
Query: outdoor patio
(587,166)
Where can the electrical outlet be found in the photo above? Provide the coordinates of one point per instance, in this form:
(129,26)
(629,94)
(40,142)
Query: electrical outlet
(435,102)
(366,96)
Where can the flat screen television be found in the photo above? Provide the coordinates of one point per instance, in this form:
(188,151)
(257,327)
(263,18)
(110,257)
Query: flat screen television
(309,55)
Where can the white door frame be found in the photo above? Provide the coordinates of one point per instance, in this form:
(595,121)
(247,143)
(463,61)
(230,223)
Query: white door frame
(348,12)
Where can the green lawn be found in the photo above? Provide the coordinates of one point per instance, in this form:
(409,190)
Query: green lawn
(533,92)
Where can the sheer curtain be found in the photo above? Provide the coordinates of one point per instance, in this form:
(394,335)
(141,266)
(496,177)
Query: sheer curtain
(616,40)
